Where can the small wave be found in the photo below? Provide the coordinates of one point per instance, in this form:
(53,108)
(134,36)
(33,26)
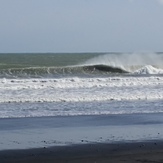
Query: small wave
(48,109)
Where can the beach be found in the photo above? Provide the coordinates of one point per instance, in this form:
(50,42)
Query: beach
(104,138)
(81,81)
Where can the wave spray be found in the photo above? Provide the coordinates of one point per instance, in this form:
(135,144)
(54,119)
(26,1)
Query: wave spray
(151,63)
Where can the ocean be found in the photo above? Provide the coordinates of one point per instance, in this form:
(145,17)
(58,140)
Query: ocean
(73,84)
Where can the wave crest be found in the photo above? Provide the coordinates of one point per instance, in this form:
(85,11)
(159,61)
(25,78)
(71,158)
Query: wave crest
(104,64)
(149,70)
(39,72)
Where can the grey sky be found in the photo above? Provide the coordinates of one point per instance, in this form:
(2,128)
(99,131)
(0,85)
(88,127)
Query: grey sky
(81,25)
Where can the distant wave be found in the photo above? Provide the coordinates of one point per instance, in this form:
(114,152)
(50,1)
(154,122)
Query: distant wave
(134,63)
(147,69)
(57,71)
(59,65)
(39,72)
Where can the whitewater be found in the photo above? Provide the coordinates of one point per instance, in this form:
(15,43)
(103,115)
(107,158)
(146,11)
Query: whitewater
(80,84)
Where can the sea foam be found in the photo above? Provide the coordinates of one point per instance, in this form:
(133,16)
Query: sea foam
(81,89)
(149,70)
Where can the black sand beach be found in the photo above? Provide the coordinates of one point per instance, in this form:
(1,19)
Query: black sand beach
(143,152)
(105,138)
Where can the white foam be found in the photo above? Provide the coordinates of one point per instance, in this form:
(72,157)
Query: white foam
(79,96)
(80,89)
(129,61)
(149,70)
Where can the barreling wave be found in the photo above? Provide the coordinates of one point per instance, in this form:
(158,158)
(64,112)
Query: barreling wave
(43,72)
(59,65)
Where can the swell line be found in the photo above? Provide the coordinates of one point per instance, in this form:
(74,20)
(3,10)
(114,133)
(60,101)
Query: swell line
(46,71)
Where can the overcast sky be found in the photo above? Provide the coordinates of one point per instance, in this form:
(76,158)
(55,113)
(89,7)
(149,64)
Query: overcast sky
(81,25)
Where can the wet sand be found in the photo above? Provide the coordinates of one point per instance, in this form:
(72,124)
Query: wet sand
(106,138)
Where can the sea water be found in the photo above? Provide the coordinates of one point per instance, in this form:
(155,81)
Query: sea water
(71,84)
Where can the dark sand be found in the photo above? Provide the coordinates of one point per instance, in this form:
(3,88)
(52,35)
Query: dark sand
(140,152)
(112,138)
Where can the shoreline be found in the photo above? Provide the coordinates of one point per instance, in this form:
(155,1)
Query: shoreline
(24,133)
(140,152)
(134,138)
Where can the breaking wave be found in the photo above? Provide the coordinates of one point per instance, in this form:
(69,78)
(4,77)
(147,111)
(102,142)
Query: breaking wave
(149,70)
(39,72)
(105,64)
(59,71)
